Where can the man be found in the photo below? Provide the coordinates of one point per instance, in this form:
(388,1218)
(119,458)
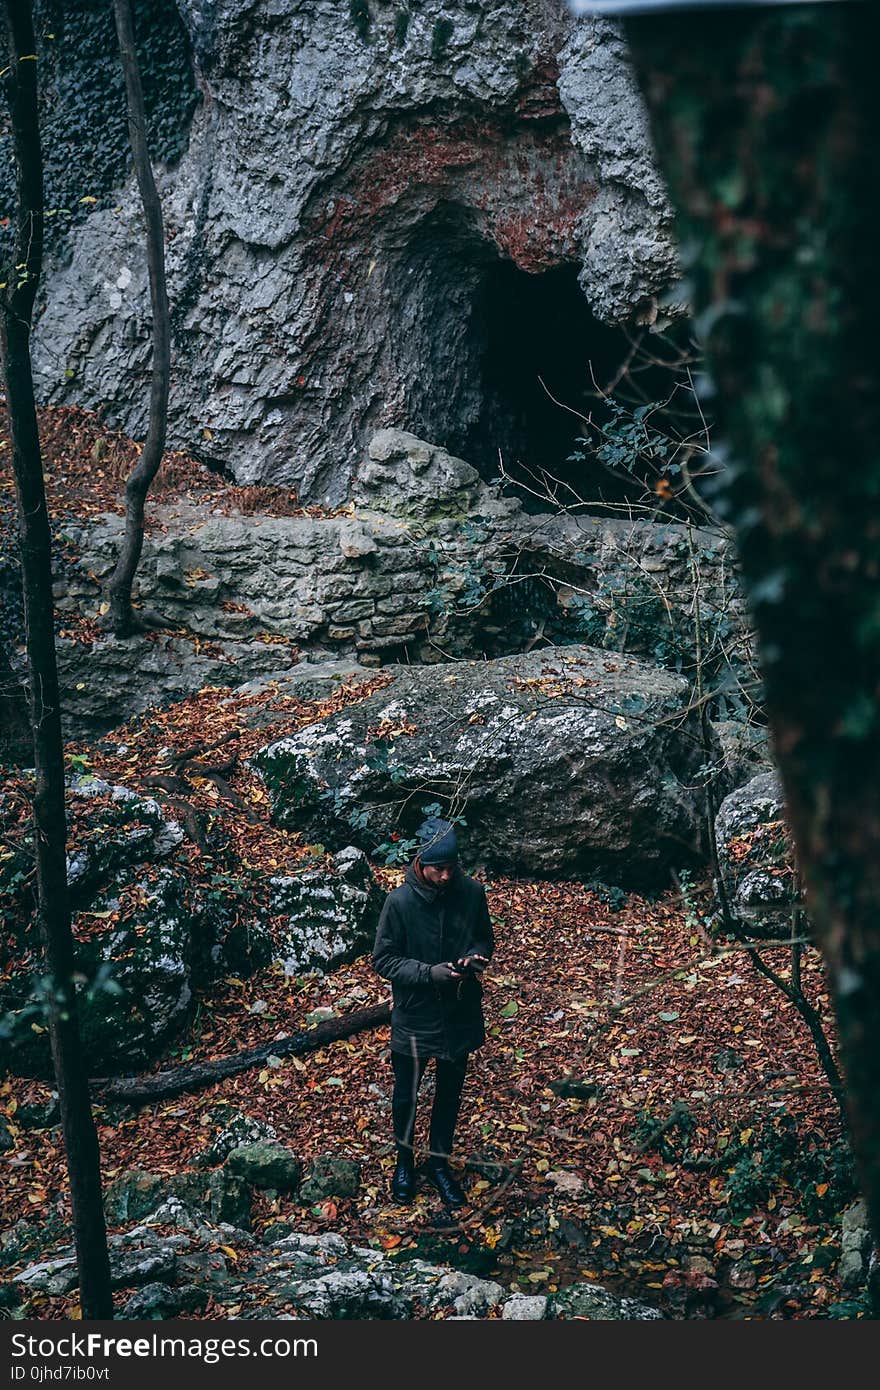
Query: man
(433,941)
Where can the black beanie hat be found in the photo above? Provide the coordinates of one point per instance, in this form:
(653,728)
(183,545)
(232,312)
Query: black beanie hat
(439,844)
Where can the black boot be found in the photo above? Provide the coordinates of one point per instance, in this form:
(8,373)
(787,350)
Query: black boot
(450,1190)
(403,1183)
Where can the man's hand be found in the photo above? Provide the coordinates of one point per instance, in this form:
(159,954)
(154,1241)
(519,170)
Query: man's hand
(444,973)
(475,963)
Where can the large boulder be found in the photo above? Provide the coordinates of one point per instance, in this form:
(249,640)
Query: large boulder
(148,934)
(144,934)
(134,986)
(562,761)
(411,478)
(755,857)
(326,919)
(350,183)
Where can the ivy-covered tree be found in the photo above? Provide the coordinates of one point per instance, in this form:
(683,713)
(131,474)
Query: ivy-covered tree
(767,127)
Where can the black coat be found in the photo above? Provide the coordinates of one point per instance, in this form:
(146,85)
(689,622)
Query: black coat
(419,927)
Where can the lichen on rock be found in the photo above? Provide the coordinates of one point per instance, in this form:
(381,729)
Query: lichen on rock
(562,761)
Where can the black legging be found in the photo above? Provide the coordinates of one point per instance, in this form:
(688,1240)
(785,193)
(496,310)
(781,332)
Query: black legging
(408,1073)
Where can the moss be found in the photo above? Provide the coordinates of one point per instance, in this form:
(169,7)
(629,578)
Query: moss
(440,36)
(291,789)
(401,27)
(83,122)
(361,18)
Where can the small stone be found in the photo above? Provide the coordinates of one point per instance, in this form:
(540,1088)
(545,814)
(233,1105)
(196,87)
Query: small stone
(56,1276)
(851,1269)
(564,1181)
(159,1301)
(330,1176)
(593,1302)
(855,1220)
(135,1266)
(237,1129)
(38,1116)
(525,1308)
(741,1275)
(321,1015)
(727,1060)
(266,1165)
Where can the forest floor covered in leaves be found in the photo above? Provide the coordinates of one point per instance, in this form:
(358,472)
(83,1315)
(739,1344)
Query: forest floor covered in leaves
(647,1111)
(739,1194)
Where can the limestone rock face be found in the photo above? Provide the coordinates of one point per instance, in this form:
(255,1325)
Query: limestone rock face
(331,918)
(564,761)
(133,923)
(171,1256)
(346,190)
(755,856)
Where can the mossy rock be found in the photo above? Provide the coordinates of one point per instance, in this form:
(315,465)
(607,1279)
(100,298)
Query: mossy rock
(265,1166)
(331,1176)
(135,1194)
(592,1302)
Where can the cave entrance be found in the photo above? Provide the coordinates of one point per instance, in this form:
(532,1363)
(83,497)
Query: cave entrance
(538,329)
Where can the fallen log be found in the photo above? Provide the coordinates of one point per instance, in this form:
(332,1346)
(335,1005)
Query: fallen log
(142,1090)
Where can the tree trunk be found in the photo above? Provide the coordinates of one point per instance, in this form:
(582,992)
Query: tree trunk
(50,826)
(766,126)
(141,1090)
(16,744)
(121,616)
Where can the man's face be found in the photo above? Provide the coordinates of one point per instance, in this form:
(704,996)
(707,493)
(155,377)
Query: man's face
(438,875)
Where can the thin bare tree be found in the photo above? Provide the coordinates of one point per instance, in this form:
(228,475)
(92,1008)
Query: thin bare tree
(50,823)
(121,616)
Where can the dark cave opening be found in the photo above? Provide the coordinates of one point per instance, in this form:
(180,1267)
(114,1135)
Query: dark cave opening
(543,356)
(498,361)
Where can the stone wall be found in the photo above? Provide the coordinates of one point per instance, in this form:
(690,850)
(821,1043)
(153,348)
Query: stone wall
(429,564)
